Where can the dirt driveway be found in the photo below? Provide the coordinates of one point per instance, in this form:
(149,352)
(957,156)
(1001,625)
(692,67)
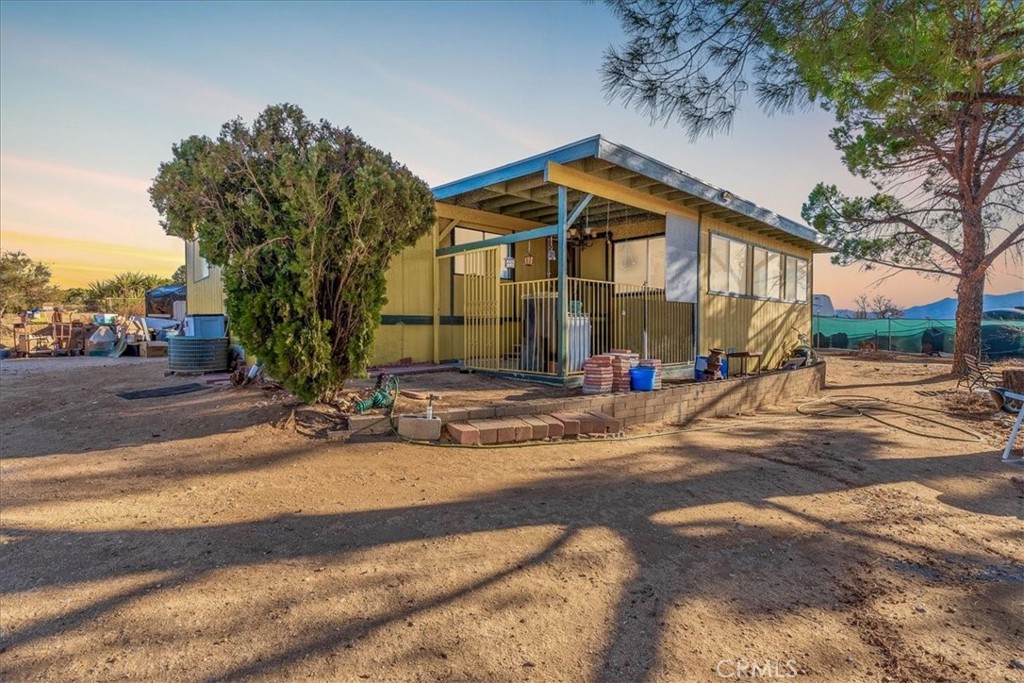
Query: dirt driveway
(185,539)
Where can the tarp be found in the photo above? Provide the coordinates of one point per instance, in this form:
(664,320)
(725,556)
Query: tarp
(999,338)
(160,300)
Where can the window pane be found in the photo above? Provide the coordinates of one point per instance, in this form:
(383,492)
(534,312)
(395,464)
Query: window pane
(631,262)
(774,275)
(737,267)
(790,277)
(464,236)
(760,283)
(719,264)
(467,236)
(801,280)
(656,262)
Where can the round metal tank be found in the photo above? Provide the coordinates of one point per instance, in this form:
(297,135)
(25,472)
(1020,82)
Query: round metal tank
(198,354)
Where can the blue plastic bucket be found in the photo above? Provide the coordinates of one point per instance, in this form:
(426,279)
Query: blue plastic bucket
(641,379)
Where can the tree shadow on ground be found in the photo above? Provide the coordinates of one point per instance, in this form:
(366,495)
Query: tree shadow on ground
(646,511)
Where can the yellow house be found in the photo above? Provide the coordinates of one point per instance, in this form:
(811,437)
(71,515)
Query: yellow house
(536,265)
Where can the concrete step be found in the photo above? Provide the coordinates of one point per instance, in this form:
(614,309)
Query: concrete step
(532,428)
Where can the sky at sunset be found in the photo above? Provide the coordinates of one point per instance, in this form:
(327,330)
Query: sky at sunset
(92,96)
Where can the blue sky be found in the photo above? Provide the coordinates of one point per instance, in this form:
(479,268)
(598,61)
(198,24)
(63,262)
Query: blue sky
(92,95)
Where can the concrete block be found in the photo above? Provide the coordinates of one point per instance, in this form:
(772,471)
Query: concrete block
(571,424)
(588,424)
(506,430)
(508,410)
(524,430)
(419,427)
(454,415)
(465,434)
(607,424)
(556,429)
(538,427)
(341,435)
(480,412)
(373,425)
(488,431)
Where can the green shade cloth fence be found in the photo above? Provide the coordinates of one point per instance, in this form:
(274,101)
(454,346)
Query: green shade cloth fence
(999,338)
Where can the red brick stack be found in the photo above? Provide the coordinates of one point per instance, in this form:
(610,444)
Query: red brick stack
(622,361)
(656,364)
(597,375)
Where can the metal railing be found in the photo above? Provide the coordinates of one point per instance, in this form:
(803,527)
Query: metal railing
(519,331)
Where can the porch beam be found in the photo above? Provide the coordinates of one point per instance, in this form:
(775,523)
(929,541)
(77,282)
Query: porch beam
(574,216)
(482,219)
(511,238)
(446,230)
(562,312)
(584,182)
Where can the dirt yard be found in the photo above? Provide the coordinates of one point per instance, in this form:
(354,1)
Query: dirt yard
(186,538)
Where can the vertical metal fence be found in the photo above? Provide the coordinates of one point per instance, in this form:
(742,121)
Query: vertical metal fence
(482,316)
(518,330)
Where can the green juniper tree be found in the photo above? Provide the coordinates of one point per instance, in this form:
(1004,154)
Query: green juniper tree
(928,102)
(24,283)
(303,218)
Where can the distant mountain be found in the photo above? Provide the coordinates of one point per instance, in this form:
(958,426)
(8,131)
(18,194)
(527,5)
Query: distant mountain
(946,308)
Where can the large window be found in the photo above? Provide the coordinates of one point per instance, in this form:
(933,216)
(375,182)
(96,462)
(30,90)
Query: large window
(200,267)
(467,236)
(767,274)
(796,279)
(640,262)
(772,275)
(728,265)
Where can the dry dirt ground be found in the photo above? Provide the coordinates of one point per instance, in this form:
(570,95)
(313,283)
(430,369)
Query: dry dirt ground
(188,539)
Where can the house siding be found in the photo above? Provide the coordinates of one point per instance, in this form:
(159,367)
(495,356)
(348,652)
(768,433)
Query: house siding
(747,323)
(206,295)
(723,321)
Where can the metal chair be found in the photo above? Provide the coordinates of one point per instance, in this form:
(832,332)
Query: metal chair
(1016,425)
(977,373)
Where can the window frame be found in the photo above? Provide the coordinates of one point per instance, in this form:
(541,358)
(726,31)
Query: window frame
(747,265)
(781,256)
(800,263)
(646,239)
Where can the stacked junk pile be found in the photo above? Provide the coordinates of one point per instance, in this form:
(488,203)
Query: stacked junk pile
(620,370)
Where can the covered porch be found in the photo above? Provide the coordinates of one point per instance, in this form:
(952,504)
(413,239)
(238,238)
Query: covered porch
(588,248)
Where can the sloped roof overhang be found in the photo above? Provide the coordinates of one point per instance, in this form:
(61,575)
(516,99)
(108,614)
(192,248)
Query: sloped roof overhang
(524,193)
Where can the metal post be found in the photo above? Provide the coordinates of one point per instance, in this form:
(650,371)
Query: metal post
(562,314)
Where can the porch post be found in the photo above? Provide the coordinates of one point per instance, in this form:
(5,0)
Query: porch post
(435,291)
(562,313)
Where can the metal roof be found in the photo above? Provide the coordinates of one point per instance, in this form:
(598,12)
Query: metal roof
(520,190)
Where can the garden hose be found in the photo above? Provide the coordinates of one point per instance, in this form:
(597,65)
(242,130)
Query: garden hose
(384,396)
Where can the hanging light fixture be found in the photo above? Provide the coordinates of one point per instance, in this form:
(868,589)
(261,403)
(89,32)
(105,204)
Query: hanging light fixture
(528,259)
(510,262)
(551,251)
(582,237)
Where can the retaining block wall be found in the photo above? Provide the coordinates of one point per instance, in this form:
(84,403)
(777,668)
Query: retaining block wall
(676,404)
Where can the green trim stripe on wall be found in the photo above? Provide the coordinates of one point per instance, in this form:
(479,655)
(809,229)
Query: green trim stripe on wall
(420,320)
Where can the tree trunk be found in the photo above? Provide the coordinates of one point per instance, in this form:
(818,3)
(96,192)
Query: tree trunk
(970,290)
(970,293)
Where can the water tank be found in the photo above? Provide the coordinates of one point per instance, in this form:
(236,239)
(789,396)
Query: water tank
(198,354)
